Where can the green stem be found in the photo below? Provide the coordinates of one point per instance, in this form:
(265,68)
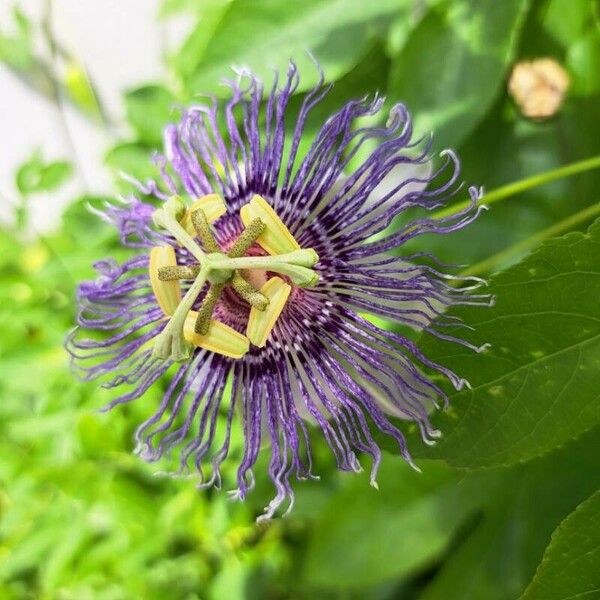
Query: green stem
(171,342)
(168,218)
(302,258)
(511,189)
(488,264)
(172,225)
(296,265)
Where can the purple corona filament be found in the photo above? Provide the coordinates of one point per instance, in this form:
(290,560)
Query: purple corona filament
(325,366)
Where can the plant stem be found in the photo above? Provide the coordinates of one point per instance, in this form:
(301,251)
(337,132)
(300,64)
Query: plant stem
(512,189)
(488,264)
(295,265)
(167,221)
(303,258)
(170,342)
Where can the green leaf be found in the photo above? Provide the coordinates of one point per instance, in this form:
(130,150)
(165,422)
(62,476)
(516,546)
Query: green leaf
(265,35)
(170,8)
(210,13)
(499,556)
(453,65)
(36,176)
(567,20)
(80,88)
(17,50)
(29,174)
(393,532)
(571,565)
(583,62)
(54,175)
(537,386)
(149,109)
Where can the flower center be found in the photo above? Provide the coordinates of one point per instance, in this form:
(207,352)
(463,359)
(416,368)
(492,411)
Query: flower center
(246,275)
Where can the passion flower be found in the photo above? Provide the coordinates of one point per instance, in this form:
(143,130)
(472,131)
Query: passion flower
(256,269)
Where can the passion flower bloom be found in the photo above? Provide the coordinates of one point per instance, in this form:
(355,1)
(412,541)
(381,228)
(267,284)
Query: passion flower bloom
(256,268)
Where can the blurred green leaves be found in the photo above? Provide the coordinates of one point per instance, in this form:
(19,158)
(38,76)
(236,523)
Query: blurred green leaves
(36,175)
(479,534)
(81,517)
(28,48)
(476,38)
(265,35)
(80,90)
(394,531)
(149,108)
(16,48)
(130,158)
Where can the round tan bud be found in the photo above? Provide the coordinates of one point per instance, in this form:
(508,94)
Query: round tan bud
(538,87)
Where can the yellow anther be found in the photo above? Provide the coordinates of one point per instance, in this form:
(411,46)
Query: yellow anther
(260,323)
(168,293)
(213,207)
(220,338)
(276,238)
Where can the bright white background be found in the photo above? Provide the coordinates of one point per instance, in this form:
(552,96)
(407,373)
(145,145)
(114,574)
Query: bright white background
(121,43)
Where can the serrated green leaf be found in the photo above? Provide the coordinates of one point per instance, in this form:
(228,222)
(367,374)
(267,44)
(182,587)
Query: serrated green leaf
(537,386)
(571,564)
(453,65)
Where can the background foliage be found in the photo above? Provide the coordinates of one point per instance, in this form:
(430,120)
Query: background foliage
(507,504)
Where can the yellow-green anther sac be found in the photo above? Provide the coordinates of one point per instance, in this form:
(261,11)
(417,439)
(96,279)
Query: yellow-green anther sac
(178,272)
(244,289)
(205,234)
(171,342)
(212,206)
(207,307)
(168,217)
(248,292)
(250,234)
